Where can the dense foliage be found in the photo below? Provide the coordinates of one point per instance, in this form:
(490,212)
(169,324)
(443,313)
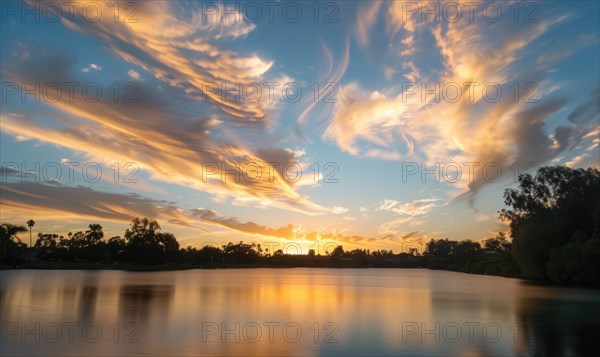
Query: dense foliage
(554,220)
(145,243)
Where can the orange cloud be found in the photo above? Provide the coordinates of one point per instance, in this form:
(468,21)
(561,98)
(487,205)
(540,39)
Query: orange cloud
(175,145)
(180,46)
(401,123)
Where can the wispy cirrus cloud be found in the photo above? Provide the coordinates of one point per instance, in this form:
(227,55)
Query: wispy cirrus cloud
(63,202)
(339,210)
(400,123)
(413,208)
(387,205)
(210,216)
(189,145)
(369,12)
(182,45)
(176,144)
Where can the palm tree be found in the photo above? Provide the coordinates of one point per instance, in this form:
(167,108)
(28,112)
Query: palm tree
(30,224)
(8,234)
(94,235)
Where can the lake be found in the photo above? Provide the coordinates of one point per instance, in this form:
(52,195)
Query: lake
(291,312)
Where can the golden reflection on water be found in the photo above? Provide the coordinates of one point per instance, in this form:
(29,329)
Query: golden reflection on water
(309,312)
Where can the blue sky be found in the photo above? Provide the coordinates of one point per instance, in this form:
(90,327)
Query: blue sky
(402,86)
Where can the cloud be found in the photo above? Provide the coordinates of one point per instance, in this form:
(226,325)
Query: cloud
(333,74)
(92,66)
(589,110)
(63,202)
(180,45)
(289,231)
(187,145)
(222,21)
(7,170)
(416,207)
(577,160)
(411,234)
(371,117)
(395,226)
(209,216)
(339,210)
(134,75)
(401,123)
(176,144)
(482,218)
(366,19)
(387,205)
(408,213)
(60,202)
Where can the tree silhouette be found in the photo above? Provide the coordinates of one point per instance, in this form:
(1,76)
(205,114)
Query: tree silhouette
(554,221)
(94,235)
(338,252)
(30,224)
(498,243)
(146,243)
(10,243)
(116,247)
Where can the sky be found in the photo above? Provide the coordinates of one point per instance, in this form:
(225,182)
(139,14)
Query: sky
(296,125)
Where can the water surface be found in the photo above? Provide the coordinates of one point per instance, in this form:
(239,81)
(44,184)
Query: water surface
(308,312)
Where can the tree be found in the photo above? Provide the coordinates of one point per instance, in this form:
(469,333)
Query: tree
(241,252)
(141,230)
(466,251)
(337,252)
(210,254)
(94,235)
(498,243)
(30,224)
(46,241)
(359,256)
(47,245)
(116,247)
(440,248)
(11,245)
(548,211)
(145,243)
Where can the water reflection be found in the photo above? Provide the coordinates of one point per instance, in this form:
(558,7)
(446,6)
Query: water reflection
(88,299)
(317,312)
(558,326)
(139,302)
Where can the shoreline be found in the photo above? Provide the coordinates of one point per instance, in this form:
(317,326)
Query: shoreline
(45,265)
